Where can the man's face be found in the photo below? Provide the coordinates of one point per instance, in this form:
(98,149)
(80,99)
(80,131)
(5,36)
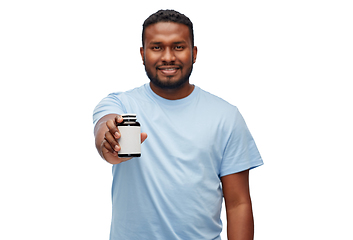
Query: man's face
(168,54)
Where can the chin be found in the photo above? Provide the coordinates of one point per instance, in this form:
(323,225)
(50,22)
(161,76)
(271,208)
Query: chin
(167,84)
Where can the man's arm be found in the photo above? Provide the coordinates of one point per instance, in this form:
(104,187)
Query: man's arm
(106,135)
(236,193)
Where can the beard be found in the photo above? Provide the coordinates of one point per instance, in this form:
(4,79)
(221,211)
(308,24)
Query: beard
(169,84)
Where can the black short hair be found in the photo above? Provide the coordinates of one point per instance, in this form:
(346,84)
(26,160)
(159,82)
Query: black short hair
(168,16)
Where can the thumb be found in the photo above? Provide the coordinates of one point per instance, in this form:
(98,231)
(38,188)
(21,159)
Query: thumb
(143,137)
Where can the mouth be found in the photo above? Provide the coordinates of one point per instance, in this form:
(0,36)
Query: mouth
(168,70)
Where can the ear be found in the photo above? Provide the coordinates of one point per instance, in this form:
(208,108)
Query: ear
(142,55)
(194,51)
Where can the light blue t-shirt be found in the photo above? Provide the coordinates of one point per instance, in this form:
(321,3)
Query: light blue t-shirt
(173,190)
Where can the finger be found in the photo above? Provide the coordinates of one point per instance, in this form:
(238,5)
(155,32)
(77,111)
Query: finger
(107,149)
(118,119)
(112,141)
(107,146)
(113,129)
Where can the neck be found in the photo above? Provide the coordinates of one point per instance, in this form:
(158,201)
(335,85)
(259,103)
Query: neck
(173,94)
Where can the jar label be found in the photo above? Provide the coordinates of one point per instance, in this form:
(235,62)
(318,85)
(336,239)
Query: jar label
(130,140)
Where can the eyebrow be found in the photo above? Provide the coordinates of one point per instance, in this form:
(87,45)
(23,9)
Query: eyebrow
(180,42)
(155,43)
(158,43)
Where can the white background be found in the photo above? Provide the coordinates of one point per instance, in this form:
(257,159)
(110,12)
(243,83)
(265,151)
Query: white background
(287,65)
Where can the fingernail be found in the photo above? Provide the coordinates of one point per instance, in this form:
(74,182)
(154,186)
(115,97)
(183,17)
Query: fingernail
(117,135)
(116,148)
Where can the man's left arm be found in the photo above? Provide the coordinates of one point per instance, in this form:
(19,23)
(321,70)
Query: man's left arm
(240,222)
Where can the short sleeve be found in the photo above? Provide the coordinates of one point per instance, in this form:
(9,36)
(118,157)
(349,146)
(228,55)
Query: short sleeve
(241,152)
(108,105)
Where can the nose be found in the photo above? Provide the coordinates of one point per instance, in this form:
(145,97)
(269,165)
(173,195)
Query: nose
(168,55)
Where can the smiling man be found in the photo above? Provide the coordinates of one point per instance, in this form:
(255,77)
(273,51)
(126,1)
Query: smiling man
(198,151)
(170,55)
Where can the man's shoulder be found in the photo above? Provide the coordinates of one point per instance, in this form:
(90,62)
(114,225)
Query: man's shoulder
(214,100)
(131,93)
(136,90)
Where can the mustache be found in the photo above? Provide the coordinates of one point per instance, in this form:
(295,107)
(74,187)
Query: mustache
(169,65)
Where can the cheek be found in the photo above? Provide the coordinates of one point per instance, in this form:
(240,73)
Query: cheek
(185,56)
(151,59)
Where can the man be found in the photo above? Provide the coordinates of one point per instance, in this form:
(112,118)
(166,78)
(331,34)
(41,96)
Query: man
(197,151)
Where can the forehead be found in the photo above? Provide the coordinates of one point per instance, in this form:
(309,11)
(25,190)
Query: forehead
(167,32)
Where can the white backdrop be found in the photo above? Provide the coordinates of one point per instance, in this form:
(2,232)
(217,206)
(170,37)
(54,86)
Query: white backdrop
(287,65)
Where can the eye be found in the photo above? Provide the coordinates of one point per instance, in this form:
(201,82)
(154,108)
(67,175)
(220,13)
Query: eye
(179,47)
(157,48)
